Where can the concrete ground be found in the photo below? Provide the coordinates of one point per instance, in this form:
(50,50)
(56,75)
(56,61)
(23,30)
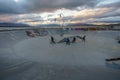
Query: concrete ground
(27,58)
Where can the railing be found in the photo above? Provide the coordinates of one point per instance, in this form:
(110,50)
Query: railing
(89,28)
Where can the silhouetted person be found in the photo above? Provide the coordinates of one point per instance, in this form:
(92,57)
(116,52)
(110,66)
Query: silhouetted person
(52,40)
(28,33)
(119,41)
(74,39)
(79,37)
(84,38)
(67,41)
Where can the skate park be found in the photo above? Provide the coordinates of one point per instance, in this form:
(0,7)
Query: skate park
(34,58)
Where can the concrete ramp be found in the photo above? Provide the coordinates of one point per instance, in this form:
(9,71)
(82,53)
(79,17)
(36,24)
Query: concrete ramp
(34,58)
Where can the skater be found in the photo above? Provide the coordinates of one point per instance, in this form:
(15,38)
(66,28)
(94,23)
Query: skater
(79,37)
(67,41)
(84,38)
(52,39)
(74,39)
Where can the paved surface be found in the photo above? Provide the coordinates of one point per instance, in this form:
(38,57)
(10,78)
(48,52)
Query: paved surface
(26,58)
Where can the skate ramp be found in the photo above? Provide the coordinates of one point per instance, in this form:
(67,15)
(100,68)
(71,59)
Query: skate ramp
(26,58)
(93,52)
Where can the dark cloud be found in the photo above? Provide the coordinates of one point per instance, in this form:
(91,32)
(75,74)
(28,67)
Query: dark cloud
(5,7)
(110,13)
(57,4)
(33,6)
(108,19)
(113,5)
(26,6)
(30,7)
(113,13)
(10,7)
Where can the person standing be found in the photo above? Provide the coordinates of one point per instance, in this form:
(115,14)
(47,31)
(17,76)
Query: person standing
(52,39)
(74,39)
(67,41)
(84,38)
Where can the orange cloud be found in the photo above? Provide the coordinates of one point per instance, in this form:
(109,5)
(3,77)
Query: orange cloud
(6,18)
(91,13)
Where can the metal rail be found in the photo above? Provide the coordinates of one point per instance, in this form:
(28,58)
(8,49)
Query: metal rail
(2,29)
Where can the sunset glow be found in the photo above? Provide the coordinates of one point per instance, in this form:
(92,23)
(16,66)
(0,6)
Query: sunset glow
(39,11)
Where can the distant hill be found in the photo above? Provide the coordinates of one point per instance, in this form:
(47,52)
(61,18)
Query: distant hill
(80,24)
(4,24)
(44,25)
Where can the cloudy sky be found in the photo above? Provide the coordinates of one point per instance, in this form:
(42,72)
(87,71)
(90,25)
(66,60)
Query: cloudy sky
(36,12)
